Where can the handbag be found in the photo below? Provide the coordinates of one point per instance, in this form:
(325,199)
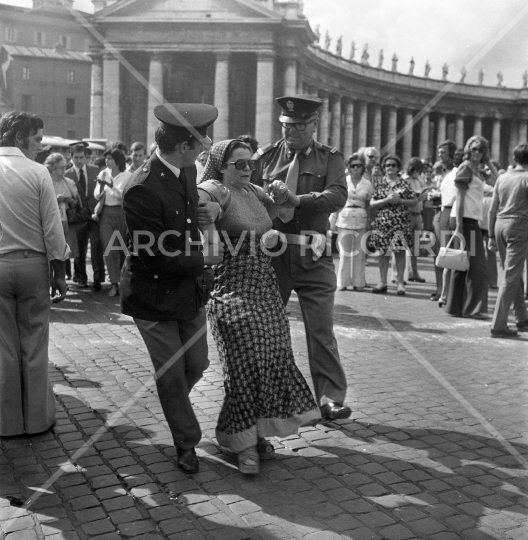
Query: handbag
(77,213)
(452,259)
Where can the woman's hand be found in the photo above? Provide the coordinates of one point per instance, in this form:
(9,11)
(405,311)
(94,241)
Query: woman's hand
(208,212)
(104,182)
(393,198)
(492,245)
(279,192)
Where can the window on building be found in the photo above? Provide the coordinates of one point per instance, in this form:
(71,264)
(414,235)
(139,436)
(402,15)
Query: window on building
(65,41)
(11,35)
(26,103)
(70,105)
(71,134)
(26,73)
(71,76)
(39,39)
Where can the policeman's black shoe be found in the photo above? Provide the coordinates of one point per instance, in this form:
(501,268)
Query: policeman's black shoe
(187,460)
(522,326)
(96,285)
(335,411)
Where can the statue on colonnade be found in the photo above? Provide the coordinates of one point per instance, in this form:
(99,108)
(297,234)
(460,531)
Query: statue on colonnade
(411,66)
(394,62)
(365,55)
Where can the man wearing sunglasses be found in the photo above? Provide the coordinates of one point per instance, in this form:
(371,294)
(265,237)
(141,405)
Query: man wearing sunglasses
(315,173)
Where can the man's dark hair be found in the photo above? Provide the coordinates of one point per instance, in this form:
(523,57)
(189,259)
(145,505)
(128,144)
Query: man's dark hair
(120,145)
(76,148)
(450,146)
(168,140)
(250,141)
(15,122)
(137,147)
(118,157)
(520,154)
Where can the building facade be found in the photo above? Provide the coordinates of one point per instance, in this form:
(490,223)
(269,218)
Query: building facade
(241,54)
(45,66)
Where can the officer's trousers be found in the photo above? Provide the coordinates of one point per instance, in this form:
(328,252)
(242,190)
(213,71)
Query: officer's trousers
(178,350)
(315,285)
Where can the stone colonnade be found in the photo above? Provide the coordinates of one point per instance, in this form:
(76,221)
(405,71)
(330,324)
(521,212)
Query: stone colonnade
(350,123)
(345,121)
(106,114)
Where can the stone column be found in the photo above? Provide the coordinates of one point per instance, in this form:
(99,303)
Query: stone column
(290,76)
(496,139)
(424,137)
(459,131)
(155,93)
(335,133)
(265,102)
(362,128)
(441,129)
(111,101)
(523,130)
(513,138)
(407,136)
(96,97)
(348,134)
(221,97)
(477,126)
(391,130)
(324,118)
(376,126)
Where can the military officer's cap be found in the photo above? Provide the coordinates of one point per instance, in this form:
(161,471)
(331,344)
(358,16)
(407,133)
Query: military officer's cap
(79,143)
(299,107)
(186,118)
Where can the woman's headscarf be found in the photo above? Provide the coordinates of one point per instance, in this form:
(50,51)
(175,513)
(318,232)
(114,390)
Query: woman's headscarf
(213,167)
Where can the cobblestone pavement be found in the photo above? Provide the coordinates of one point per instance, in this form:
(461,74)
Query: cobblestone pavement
(436,447)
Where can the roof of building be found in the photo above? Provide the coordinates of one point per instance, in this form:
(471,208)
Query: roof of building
(56,53)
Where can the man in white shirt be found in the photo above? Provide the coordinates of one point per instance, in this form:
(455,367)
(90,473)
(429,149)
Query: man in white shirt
(32,242)
(85,178)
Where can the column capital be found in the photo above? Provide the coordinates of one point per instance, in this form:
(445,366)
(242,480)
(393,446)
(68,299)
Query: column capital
(158,56)
(107,55)
(323,94)
(497,117)
(267,54)
(222,55)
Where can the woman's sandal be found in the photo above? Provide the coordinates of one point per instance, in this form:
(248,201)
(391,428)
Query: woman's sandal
(248,461)
(265,449)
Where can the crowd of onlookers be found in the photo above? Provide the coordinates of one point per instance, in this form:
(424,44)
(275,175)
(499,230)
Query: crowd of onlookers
(397,213)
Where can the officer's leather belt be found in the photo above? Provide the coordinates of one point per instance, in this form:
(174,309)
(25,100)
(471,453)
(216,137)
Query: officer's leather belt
(299,239)
(353,206)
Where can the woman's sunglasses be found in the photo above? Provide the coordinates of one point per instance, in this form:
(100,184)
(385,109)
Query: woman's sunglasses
(356,166)
(241,164)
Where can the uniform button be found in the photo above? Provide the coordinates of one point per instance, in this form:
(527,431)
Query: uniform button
(155,277)
(145,169)
(188,220)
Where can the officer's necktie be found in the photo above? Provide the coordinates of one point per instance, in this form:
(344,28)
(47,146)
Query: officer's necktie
(292,178)
(82,181)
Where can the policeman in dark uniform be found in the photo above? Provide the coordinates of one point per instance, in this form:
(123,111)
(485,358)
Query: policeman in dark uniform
(316,174)
(162,285)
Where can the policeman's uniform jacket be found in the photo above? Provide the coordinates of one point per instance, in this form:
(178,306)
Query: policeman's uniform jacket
(162,282)
(321,188)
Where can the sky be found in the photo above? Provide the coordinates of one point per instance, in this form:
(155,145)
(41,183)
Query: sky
(491,35)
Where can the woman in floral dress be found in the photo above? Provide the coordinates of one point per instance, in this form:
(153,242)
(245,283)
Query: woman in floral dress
(392,226)
(265,393)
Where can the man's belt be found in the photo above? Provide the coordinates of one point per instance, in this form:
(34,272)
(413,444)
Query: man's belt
(353,206)
(299,239)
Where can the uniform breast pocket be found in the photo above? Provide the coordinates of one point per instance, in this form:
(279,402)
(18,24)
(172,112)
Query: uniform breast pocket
(314,180)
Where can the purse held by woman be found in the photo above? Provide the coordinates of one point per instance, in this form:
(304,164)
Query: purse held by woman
(452,259)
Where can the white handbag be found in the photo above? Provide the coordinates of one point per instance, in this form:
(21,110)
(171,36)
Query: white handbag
(452,259)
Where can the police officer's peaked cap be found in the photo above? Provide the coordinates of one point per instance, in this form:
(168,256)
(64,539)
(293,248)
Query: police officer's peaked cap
(79,143)
(298,107)
(184,118)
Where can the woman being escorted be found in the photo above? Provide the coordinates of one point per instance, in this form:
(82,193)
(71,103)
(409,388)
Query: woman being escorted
(392,226)
(351,224)
(110,184)
(67,197)
(265,393)
(468,293)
